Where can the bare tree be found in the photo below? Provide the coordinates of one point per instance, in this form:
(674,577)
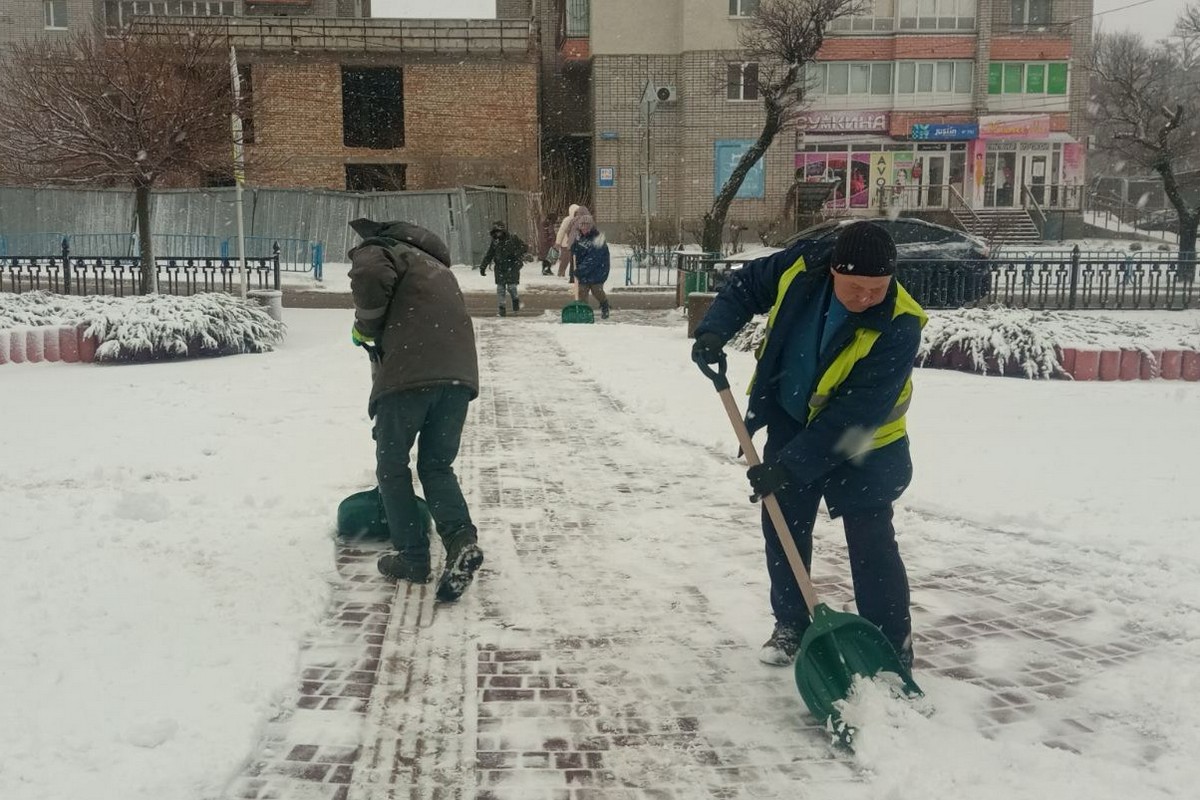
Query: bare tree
(782,37)
(1149,108)
(133,110)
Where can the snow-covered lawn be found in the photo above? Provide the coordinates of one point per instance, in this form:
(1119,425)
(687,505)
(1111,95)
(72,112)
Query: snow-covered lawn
(165,542)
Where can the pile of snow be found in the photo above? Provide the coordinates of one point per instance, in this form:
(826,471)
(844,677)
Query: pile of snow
(152,327)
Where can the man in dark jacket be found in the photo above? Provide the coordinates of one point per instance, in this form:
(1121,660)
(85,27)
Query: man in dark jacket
(833,383)
(507,252)
(591,262)
(408,306)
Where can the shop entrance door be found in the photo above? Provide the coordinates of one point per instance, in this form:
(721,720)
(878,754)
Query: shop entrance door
(931,180)
(999,180)
(1036,171)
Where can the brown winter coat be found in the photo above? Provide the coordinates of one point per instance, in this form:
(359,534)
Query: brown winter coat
(408,300)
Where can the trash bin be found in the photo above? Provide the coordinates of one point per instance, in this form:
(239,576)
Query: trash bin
(697,306)
(269,299)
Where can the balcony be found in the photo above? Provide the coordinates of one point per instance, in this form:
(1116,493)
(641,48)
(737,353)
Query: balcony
(436,37)
(575,31)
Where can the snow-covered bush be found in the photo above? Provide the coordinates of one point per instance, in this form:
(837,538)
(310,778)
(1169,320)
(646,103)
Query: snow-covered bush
(1022,342)
(152,327)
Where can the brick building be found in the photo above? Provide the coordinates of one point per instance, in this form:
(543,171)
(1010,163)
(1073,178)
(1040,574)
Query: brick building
(934,105)
(338,100)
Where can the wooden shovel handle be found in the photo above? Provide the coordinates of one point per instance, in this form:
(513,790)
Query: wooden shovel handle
(772,505)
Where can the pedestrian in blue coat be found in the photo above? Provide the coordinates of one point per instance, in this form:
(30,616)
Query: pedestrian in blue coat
(591,262)
(832,386)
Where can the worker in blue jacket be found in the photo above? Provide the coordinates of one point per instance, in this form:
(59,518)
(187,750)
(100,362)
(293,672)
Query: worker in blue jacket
(833,383)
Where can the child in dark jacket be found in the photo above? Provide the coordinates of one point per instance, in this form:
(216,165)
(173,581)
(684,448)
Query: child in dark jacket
(507,252)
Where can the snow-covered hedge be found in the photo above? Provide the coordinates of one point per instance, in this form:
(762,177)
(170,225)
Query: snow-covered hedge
(1021,342)
(153,327)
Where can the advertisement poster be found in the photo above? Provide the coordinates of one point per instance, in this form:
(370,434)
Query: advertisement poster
(881,179)
(860,180)
(1073,164)
(826,167)
(727,154)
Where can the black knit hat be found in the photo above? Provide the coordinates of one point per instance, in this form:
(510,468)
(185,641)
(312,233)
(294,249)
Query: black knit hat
(865,249)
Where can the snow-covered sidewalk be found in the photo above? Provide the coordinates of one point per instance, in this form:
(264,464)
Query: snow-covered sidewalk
(607,650)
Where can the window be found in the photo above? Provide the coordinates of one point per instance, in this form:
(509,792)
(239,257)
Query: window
(941,77)
(880,16)
(373,107)
(932,15)
(845,78)
(55,12)
(376,177)
(742,8)
(1032,13)
(246,88)
(353,8)
(1038,78)
(742,82)
(119,13)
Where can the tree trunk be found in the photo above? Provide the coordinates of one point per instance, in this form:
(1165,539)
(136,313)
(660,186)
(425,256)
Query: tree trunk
(714,220)
(1188,218)
(1187,246)
(145,241)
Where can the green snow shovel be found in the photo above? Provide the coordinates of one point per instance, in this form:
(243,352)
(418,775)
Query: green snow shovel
(837,646)
(578,312)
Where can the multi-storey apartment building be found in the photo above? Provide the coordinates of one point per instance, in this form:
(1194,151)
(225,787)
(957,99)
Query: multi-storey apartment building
(927,104)
(339,100)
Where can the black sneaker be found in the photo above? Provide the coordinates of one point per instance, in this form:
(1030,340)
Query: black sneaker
(463,558)
(780,649)
(516,305)
(399,568)
(503,311)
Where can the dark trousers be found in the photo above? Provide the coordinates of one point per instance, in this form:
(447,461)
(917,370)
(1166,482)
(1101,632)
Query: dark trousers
(861,492)
(433,419)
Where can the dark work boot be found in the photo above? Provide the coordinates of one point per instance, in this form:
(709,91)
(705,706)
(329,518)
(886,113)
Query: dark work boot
(780,650)
(503,311)
(463,558)
(516,304)
(401,568)
(604,311)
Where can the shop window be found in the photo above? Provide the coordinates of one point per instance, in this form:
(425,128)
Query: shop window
(1037,78)
(373,107)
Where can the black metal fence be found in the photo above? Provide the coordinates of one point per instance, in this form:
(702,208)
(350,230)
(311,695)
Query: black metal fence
(1066,280)
(68,274)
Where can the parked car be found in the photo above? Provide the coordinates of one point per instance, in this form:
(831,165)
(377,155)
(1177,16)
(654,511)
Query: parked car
(940,267)
(1159,219)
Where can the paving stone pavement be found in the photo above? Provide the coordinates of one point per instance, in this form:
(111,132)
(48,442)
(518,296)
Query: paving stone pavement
(596,657)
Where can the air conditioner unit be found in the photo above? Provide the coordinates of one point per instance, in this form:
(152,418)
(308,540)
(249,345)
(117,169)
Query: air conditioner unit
(666,94)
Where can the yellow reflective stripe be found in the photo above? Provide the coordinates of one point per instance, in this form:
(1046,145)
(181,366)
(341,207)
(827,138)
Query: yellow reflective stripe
(785,282)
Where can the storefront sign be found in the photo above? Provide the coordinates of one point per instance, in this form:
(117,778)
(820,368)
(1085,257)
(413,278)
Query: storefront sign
(843,121)
(944,132)
(727,154)
(1009,126)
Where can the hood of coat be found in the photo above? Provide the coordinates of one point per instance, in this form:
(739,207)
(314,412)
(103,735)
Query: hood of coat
(424,240)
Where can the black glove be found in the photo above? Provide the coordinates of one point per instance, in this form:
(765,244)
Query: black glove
(483,271)
(767,479)
(708,349)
